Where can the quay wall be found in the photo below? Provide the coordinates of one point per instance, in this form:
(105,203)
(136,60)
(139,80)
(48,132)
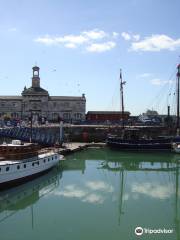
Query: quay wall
(98,133)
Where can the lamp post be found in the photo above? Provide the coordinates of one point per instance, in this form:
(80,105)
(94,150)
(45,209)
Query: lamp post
(31,125)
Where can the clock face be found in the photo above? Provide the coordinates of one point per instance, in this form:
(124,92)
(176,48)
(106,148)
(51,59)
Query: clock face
(35,73)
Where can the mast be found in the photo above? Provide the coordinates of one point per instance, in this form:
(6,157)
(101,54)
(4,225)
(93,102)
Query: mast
(122,97)
(178,78)
(177,220)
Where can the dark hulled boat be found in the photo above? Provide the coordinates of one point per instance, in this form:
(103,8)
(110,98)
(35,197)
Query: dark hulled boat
(159,143)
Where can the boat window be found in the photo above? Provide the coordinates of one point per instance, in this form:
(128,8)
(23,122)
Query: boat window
(48,159)
(55,157)
(24,165)
(38,163)
(44,160)
(33,164)
(0,169)
(7,169)
(18,167)
(52,158)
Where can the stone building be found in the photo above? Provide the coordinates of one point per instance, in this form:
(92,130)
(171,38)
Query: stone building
(37,101)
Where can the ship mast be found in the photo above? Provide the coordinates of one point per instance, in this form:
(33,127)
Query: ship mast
(122,98)
(178,79)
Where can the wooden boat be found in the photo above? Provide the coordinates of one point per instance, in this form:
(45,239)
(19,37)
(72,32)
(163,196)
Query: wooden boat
(21,162)
(160,144)
(165,143)
(16,172)
(18,150)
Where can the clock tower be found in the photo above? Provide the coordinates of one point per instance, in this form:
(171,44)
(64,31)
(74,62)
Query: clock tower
(35,78)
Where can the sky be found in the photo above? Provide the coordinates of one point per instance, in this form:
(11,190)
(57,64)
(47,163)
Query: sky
(80,47)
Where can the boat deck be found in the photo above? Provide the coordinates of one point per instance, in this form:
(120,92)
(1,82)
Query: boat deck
(40,156)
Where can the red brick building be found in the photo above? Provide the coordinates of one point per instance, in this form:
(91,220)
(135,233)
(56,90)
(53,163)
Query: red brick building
(100,116)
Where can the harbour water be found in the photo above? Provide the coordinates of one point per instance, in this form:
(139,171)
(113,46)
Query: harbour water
(97,194)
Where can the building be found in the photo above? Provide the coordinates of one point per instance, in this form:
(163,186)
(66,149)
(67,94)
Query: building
(37,102)
(102,116)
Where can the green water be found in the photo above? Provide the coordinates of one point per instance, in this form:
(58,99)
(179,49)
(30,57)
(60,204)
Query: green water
(96,194)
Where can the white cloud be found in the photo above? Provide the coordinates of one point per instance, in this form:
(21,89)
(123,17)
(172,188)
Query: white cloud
(136,37)
(154,190)
(99,185)
(100,47)
(115,34)
(90,40)
(126,36)
(94,34)
(94,198)
(47,40)
(93,192)
(144,75)
(70,45)
(68,40)
(157,81)
(156,43)
(71,191)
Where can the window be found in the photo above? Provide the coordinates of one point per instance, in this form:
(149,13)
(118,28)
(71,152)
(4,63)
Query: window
(52,158)
(18,167)
(24,165)
(33,164)
(44,160)
(48,159)
(67,116)
(78,116)
(0,169)
(7,169)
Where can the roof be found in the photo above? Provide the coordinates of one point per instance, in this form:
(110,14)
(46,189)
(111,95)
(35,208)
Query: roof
(35,91)
(67,98)
(107,112)
(10,97)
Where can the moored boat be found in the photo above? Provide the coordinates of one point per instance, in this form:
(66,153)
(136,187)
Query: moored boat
(18,170)
(18,150)
(159,143)
(176,147)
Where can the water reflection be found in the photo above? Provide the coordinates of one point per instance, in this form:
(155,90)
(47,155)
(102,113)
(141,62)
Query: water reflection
(156,178)
(112,190)
(25,195)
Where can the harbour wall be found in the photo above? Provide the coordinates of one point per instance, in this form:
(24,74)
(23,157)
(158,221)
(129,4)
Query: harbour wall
(49,135)
(99,133)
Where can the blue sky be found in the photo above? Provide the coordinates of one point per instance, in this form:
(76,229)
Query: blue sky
(81,45)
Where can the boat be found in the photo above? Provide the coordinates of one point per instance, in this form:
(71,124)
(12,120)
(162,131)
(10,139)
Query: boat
(18,170)
(160,144)
(139,143)
(18,150)
(176,147)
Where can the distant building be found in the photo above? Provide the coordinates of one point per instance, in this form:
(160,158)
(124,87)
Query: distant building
(37,101)
(101,116)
